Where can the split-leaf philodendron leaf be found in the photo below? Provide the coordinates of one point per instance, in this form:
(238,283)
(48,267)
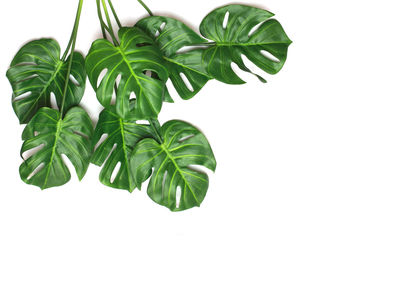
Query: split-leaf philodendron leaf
(183,146)
(37,71)
(69,136)
(171,35)
(238,37)
(136,55)
(121,136)
(129,74)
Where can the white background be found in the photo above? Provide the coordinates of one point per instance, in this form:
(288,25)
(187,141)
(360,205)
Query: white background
(307,188)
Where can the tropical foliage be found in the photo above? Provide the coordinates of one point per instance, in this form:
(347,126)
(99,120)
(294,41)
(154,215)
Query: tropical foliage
(128,70)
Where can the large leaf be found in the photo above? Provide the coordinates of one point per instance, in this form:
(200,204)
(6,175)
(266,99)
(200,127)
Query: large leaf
(183,146)
(116,148)
(171,35)
(37,71)
(235,39)
(69,136)
(136,55)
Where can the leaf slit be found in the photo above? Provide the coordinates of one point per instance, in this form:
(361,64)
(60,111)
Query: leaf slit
(115,172)
(23,96)
(255,28)
(226,19)
(53,101)
(186,81)
(35,171)
(185,138)
(270,56)
(178,196)
(29,153)
(101,140)
(73,80)
(101,76)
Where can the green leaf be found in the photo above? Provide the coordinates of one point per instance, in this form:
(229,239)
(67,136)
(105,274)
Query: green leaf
(37,71)
(70,136)
(183,146)
(171,35)
(122,135)
(234,40)
(136,55)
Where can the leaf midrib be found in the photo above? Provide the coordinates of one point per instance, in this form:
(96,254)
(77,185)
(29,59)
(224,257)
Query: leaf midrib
(247,44)
(186,67)
(52,78)
(53,150)
(166,151)
(124,148)
(136,77)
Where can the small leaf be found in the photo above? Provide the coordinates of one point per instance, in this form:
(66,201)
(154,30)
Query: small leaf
(70,136)
(183,146)
(235,40)
(171,38)
(37,71)
(121,137)
(136,55)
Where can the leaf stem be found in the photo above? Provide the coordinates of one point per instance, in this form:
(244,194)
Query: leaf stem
(102,24)
(145,7)
(111,31)
(156,128)
(74,31)
(114,14)
(72,45)
(103,28)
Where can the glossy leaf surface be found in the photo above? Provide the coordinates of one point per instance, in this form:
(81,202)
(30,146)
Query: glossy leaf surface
(116,148)
(37,71)
(238,37)
(136,55)
(171,35)
(171,161)
(56,136)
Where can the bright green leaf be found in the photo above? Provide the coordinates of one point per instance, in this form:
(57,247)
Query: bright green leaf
(37,71)
(121,136)
(136,56)
(70,136)
(183,146)
(235,39)
(171,35)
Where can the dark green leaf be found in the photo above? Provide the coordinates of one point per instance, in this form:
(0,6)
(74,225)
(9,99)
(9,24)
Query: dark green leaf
(122,135)
(136,55)
(234,40)
(69,136)
(171,38)
(183,146)
(38,70)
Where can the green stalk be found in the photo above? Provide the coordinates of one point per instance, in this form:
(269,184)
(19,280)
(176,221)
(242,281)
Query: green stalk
(111,31)
(114,13)
(72,45)
(71,39)
(103,25)
(145,7)
(100,15)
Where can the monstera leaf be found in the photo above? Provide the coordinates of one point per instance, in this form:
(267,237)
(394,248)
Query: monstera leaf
(171,35)
(37,71)
(116,148)
(183,146)
(237,38)
(56,136)
(136,55)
